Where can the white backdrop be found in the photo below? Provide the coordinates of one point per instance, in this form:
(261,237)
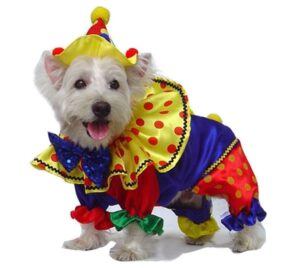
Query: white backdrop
(240,59)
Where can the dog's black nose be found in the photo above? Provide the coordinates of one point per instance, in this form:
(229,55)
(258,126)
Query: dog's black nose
(101,108)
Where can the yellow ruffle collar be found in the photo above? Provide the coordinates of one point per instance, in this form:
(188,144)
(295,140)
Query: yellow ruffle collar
(156,135)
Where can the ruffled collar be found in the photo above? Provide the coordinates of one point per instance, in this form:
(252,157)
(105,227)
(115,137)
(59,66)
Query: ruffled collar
(156,135)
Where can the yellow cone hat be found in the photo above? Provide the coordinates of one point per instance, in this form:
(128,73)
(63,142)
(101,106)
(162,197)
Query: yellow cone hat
(96,43)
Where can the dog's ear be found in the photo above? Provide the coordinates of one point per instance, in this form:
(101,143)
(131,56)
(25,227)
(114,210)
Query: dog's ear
(49,74)
(55,70)
(140,75)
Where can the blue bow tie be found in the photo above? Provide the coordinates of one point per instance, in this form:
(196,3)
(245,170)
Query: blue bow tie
(95,163)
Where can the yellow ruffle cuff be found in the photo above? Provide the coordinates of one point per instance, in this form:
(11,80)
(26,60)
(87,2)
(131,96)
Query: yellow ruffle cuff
(194,230)
(157,135)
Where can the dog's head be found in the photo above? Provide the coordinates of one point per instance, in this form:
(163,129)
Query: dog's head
(92,97)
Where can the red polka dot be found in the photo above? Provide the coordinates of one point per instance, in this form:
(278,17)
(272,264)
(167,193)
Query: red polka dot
(136,159)
(153,140)
(41,166)
(148,105)
(54,158)
(182,114)
(158,124)
(66,138)
(171,148)
(124,139)
(140,122)
(163,85)
(178,131)
(87,182)
(118,167)
(168,103)
(135,131)
(186,99)
(133,176)
(164,112)
(162,163)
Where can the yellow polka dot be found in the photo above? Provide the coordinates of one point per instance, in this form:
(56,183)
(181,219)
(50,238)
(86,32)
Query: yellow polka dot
(208,178)
(104,31)
(238,194)
(232,158)
(221,166)
(245,166)
(247,187)
(195,190)
(256,195)
(218,186)
(230,180)
(239,171)
(254,179)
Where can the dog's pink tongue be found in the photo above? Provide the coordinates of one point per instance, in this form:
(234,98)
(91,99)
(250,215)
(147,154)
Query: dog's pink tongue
(97,130)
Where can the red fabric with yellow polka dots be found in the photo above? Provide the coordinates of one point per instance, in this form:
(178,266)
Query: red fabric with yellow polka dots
(232,179)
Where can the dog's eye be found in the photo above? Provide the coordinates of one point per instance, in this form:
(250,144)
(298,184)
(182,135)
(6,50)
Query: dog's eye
(114,84)
(80,84)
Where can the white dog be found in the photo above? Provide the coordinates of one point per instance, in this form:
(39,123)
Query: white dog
(94,100)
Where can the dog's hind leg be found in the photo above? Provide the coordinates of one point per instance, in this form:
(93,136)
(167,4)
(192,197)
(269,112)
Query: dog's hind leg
(250,238)
(89,239)
(194,217)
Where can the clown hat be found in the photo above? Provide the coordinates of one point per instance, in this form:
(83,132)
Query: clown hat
(96,43)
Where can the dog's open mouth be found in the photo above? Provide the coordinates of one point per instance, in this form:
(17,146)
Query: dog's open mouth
(97,130)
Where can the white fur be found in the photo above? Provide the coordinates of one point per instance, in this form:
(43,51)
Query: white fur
(137,245)
(250,238)
(90,238)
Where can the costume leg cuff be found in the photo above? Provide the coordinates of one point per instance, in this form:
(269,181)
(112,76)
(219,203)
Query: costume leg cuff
(98,216)
(194,230)
(238,222)
(150,224)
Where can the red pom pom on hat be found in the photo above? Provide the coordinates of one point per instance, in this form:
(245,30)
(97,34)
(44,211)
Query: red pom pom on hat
(131,52)
(57,51)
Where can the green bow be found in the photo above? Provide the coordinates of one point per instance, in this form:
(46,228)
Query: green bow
(150,224)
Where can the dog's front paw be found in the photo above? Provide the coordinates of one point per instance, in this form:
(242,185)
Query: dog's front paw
(123,253)
(86,242)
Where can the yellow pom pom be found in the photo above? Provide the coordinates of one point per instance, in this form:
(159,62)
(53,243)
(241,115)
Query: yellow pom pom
(215,117)
(100,13)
